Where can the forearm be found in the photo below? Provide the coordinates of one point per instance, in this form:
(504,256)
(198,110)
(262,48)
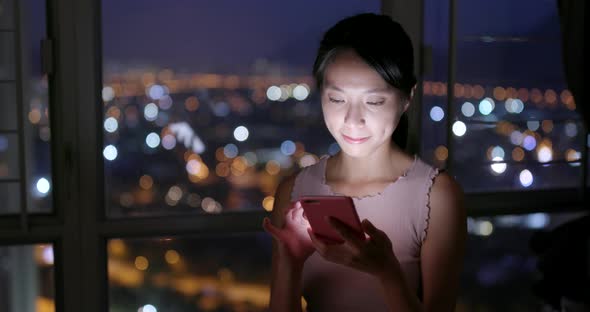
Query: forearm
(398,295)
(286,287)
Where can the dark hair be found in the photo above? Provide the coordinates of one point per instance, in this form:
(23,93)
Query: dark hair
(383,44)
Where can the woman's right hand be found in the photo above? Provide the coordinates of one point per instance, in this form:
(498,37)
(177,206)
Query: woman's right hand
(293,238)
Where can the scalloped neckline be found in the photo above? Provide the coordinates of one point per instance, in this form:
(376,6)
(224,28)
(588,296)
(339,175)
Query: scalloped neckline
(378,194)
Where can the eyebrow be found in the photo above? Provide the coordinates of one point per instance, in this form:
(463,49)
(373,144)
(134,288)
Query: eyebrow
(376,90)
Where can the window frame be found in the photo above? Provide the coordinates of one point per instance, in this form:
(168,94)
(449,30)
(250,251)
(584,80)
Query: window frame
(79,229)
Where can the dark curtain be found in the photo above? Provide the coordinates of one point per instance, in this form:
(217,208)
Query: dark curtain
(571,16)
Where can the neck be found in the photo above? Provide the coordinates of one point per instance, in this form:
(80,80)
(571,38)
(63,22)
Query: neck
(382,165)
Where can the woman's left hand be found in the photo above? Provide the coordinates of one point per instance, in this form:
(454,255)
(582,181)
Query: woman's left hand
(374,255)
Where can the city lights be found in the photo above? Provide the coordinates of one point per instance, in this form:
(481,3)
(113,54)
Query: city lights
(111,124)
(110,152)
(230,150)
(533,125)
(273,93)
(497,152)
(486,106)
(437,113)
(47,256)
(529,143)
(468,109)
(43,186)
(516,137)
(152,140)
(571,129)
(301,92)
(156,92)
(537,220)
(544,154)
(168,142)
(526,178)
(288,148)
(150,112)
(241,133)
(499,167)
(108,94)
(459,128)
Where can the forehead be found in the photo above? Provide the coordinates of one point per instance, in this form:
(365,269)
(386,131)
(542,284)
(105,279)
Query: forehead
(347,71)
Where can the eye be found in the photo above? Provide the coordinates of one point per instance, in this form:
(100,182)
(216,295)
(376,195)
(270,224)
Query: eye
(335,100)
(376,103)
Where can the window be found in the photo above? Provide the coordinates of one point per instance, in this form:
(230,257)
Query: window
(27,278)
(220,272)
(25,161)
(205,109)
(209,105)
(511,123)
(508,128)
(151,191)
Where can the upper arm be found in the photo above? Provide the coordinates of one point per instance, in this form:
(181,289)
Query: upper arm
(442,252)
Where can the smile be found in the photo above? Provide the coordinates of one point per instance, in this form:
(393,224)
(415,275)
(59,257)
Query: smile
(355,140)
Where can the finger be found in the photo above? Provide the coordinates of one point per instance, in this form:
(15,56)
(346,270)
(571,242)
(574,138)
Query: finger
(370,229)
(300,215)
(292,214)
(345,231)
(271,229)
(317,243)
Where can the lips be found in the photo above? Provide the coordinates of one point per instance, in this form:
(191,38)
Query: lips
(355,140)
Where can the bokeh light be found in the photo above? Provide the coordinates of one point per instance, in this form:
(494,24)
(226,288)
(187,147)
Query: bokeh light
(152,140)
(111,124)
(110,152)
(241,133)
(437,113)
(468,109)
(459,128)
(486,106)
(43,185)
(526,178)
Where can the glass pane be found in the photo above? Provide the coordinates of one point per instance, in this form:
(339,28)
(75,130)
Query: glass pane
(191,122)
(9,197)
(510,176)
(204,273)
(36,107)
(27,282)
(9,157)
(512,264)
(8,106)
(6,56)
(6,14)
(434,135)
(510,102)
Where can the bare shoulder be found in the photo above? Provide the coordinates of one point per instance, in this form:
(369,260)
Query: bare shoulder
(282,200)
(444,245)
(446,191)
(447,210)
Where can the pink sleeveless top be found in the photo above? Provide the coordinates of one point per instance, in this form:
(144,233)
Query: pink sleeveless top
(401,210)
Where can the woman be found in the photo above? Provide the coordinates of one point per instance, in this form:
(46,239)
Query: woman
(412,214)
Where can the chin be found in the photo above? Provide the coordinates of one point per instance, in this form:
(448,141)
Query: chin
(356,151)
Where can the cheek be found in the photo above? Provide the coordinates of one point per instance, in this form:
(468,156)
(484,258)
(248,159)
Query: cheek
(331,116)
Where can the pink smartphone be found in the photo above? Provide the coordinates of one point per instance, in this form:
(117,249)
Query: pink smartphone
(317,208)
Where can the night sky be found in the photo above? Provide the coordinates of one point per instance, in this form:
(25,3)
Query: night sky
(228,36)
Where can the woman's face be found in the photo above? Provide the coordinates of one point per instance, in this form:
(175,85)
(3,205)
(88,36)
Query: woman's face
(361,110)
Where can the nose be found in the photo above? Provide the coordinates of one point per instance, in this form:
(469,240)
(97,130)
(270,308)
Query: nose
(354,116)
